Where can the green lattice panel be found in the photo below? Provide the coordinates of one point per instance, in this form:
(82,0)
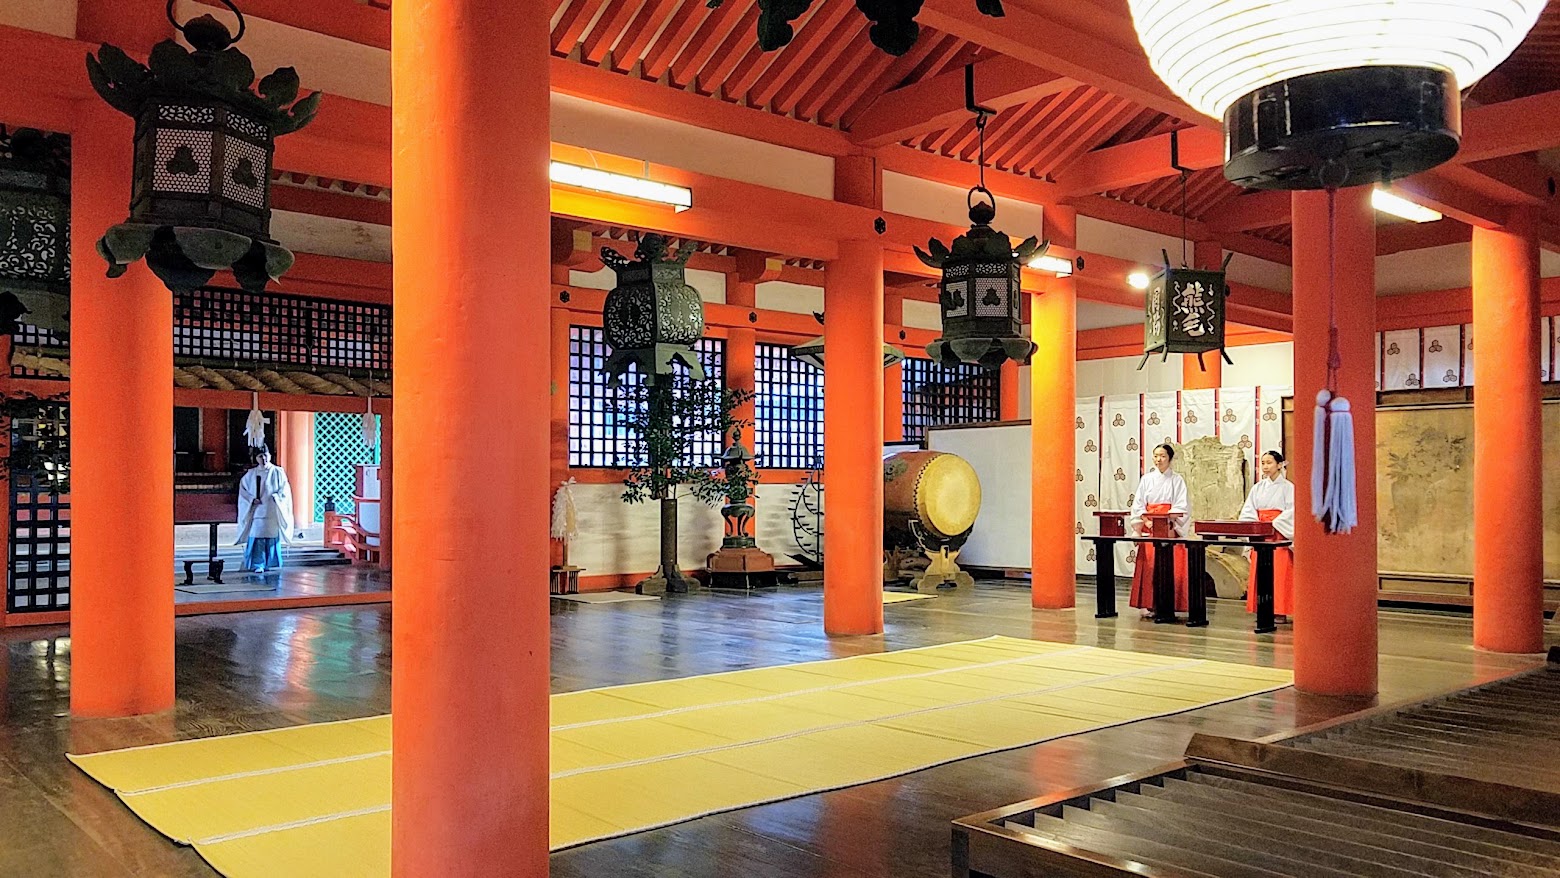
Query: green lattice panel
(338,447)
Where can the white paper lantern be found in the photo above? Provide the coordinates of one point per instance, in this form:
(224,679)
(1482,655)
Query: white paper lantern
(1210,53)
(1366,88)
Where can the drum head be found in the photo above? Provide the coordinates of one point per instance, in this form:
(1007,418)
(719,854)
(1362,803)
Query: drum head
(948,495)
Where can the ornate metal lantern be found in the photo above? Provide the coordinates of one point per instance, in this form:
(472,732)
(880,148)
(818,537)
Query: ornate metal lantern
(204,136)
(652,317)
(1184,313)
(35,229)
(981,293)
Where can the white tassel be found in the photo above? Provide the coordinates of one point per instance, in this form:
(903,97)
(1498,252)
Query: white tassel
(1342,505)
(254,426)
(1319,457)
(565,516)
(368,424)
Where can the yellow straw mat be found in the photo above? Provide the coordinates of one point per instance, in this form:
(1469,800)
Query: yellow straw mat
(899,597)
(315,800)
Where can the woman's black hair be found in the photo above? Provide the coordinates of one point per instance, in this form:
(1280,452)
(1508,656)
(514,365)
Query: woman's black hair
(254,453)
(1169,452)
(1278,456)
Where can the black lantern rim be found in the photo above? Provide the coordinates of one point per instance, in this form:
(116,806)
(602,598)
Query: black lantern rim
(1369,124)
(242,24)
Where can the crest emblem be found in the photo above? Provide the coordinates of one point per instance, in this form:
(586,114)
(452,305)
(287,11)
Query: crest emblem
(1191,418)
(1091,553)
(1119,421)
(1229,416)
(1080,529)
(1393,349)
(1120,475)
(1132,556)
(1080,475)
(1078,423)
(1091,502)
(1245,442)
(1132,445)
(1412,380)
(1153,419)
(1089,446)
(1450,376)
(1435,346)
(1270,415)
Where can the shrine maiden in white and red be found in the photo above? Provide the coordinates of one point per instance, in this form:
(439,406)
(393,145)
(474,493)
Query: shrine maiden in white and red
(1162,491)
(1272,499)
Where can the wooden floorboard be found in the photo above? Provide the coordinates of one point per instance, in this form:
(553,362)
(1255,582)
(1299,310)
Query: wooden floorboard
(261,670)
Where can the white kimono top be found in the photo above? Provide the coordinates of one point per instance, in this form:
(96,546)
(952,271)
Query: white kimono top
(1163,487)
(1276,493)
(265,504)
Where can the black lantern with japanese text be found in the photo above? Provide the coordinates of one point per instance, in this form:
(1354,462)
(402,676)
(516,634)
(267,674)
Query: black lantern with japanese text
(35,232)
(652,318)
(1184,312)
(981,294)
(205,132)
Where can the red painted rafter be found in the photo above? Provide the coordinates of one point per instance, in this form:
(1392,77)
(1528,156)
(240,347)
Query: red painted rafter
(834,58)
(859,65)
(578,16)
(853,100)
(630,49)
(939,102)
(829,26)
(703,44)
(1007,156)
(674,39)
(608,29)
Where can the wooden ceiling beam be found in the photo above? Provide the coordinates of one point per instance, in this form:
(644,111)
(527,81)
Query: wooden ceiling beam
(1253,210)
(937,103)
(1140,161)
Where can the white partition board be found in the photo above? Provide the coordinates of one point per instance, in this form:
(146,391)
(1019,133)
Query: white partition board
(1000,455)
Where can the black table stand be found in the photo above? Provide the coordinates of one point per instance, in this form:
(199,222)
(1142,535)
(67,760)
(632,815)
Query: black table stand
(1264,562)
(1104,577)
(214,564)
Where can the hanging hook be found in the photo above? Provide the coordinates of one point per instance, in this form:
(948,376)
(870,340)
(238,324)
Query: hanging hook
(228,3)
(980,129)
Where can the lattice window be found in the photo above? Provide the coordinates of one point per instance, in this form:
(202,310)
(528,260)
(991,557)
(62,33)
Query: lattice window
(596,436)
(40,521)
(224,327)
(788,420)
(938,396)
(338,448)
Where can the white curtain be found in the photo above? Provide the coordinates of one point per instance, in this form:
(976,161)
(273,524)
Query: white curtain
(1087,449)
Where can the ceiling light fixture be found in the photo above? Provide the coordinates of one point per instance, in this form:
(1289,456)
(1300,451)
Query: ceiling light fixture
(1138,280)
(595,179)
(1054,264)
(1398,206)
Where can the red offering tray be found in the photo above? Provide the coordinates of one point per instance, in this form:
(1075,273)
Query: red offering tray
(1250,529)
(1112,524)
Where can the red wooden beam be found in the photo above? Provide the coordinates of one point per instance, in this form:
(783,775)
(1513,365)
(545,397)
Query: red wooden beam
(1140,161)
(1252,210)
(1399,237)
(1065,39)
(938,103)
(353,22)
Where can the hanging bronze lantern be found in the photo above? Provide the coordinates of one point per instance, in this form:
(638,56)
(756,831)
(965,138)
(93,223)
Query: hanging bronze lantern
(981,291)
(652,317)
(200,201)
(35,230)
(1184,312)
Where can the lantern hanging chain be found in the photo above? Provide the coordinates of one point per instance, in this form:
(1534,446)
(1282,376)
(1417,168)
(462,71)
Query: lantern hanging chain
(1183,219)
(228,3)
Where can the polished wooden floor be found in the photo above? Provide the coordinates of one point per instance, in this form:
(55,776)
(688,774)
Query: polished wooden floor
(262,670)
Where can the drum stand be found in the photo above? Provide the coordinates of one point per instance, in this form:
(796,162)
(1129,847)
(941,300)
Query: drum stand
(942,572)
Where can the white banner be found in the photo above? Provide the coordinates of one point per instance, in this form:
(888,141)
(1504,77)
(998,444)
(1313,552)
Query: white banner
(1270,420)
(1199,416)
(1443,357)
(1121,463)
(1087,450)
(1161,422)
(1400,359)
(1467,368)
(1238,425)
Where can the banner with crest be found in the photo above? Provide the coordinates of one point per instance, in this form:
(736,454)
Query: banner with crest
(1087,451)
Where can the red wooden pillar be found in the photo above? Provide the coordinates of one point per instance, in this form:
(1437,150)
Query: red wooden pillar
(470,703)
(559,347)
(1335,574)
(121,460)
(1508,508)
(297,459)
(894,376)
(853,440)
(1053,388)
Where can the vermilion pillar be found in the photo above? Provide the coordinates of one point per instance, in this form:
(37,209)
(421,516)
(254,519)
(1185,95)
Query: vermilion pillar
(1007,404)
(558,349)
(853,440)
(1335,574)
(121,391)
(1053,386)
(297,459)
(470,702)
(894,376)
(1508,508)
(1206,255)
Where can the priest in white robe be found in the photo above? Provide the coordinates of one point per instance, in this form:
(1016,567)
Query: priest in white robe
(1272,499)
(265,505)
